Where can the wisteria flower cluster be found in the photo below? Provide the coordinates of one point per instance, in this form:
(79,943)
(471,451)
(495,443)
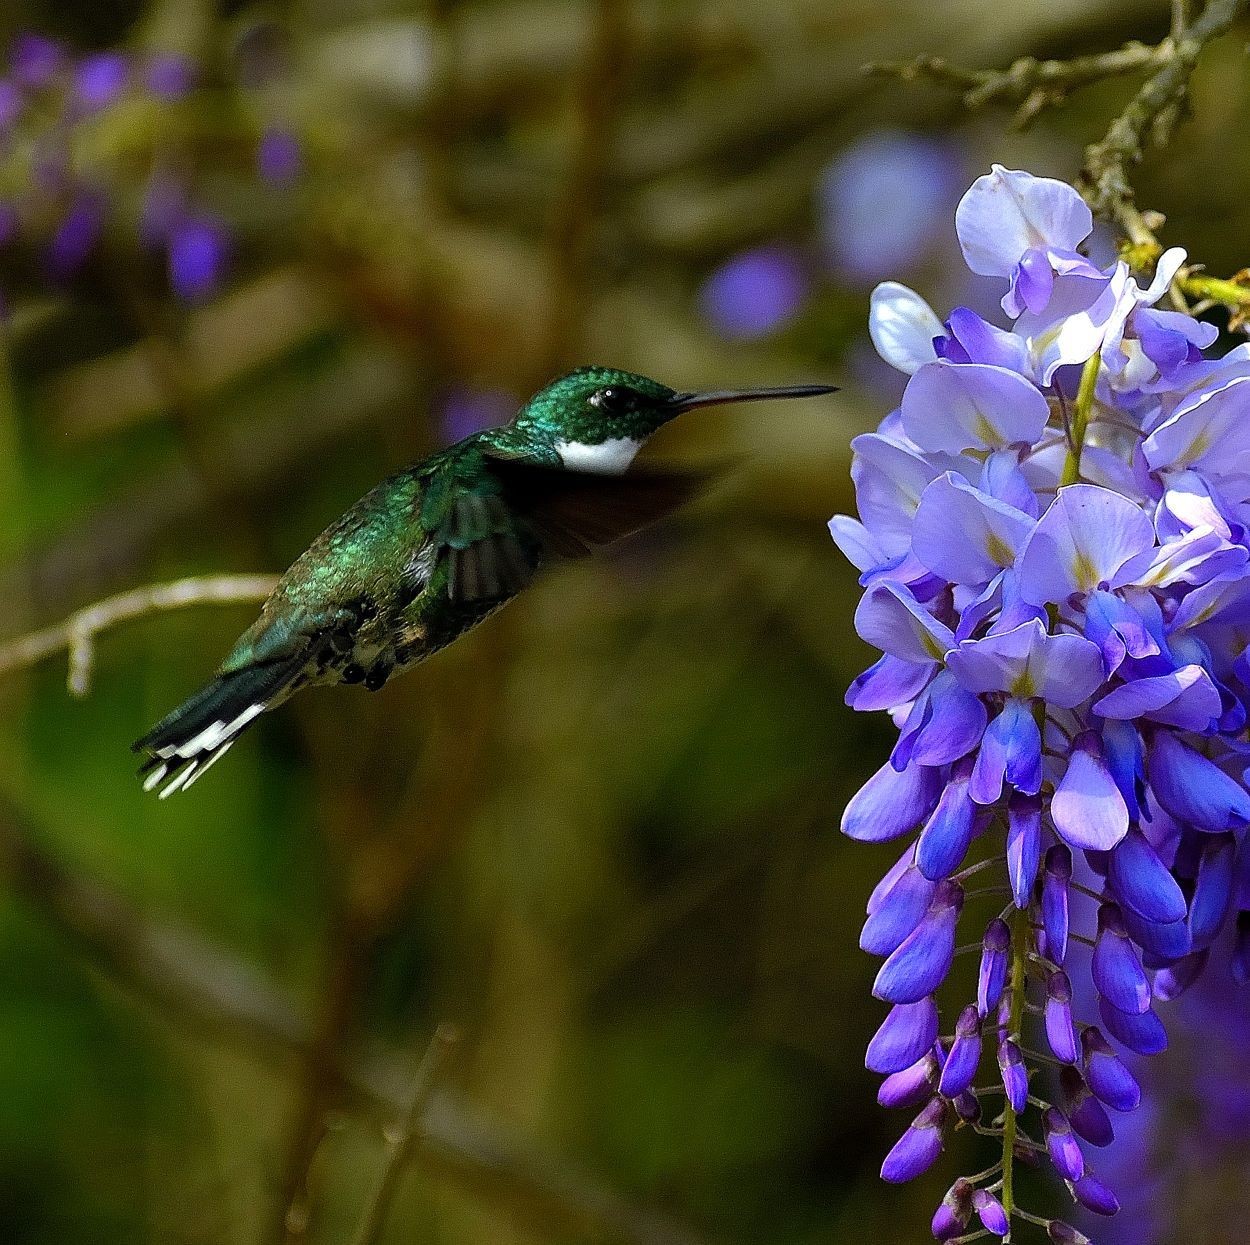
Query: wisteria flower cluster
(1054,545)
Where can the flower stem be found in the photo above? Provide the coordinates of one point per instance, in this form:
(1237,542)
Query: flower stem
(1081,410)
(1020,935)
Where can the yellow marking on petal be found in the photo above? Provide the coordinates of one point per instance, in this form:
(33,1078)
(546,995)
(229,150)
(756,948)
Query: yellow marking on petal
(998,550)
(1084,571)
(931,646)
(1197,447)
(1203,614)
(1024,688)
(986,432)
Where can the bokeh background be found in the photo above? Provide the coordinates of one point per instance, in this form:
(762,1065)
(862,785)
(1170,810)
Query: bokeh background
(275,252)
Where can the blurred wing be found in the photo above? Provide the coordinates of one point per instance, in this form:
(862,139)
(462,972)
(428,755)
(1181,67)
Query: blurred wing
(574,513)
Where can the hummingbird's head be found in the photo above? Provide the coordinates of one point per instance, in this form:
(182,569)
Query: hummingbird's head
(600,416)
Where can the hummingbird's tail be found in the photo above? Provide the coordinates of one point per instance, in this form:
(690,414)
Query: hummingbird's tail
(184,743)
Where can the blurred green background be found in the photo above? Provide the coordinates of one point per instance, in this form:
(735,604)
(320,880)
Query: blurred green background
(599,835)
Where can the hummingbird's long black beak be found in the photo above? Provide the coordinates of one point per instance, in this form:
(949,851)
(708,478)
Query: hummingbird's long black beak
(681,402)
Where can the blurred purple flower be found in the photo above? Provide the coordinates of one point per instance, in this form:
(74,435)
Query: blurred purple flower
(884,201)
(198,253)
(164,205)
(755,293)
(35,60)
(10,222)
(100,80)
(75,237)
(464,410)
(279,157)
(11,103)
(171,76)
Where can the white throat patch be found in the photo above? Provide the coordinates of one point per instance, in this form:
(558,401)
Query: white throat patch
(608,458)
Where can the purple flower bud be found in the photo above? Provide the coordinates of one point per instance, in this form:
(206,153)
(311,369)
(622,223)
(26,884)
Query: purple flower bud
(1141,881)
(1015,1075)
(918,1148)
(889,878)
(1087,808)
(1213,892)
(279,158)
(1011,752)
(1024,845)
(755,293)
(1117,971)
(1060,1033)
(1163,942)
(1125,760)
(897,913)
(1062,1146)
(990,1212)
(1085,1113)
(967,1106)
(891,803)
(1056,875)
(198,250)
(1173,980)
(921,962)
(905,1035)
(952,1216)
(1143,1034)
(948,832)
(1193,789)
(1107,1076)
(993,971)
(965,1054)
(1095,1196)
(1062,1234)
(912,1086)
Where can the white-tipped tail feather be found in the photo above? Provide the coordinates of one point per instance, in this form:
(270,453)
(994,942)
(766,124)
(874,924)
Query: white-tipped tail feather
(198,733)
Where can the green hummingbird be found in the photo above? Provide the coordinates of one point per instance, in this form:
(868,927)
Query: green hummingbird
(435,548)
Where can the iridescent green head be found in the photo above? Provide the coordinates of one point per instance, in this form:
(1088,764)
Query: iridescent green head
(600,416)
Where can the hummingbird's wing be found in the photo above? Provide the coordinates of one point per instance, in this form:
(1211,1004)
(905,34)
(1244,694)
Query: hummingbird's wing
(475,534)
(573,513)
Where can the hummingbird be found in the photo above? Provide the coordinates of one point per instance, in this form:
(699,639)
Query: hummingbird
(437,547)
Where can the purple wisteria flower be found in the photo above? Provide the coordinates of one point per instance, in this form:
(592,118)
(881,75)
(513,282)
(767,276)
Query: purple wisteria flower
(1057,573)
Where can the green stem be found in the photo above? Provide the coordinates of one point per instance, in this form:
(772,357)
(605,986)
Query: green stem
(1231,293)
(1081,410)
(1019,955)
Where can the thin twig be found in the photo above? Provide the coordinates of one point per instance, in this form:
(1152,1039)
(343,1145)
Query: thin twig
(1149,116)
(401,1142)
(1028,82)
(1105,179)
(216,995)
(77,634)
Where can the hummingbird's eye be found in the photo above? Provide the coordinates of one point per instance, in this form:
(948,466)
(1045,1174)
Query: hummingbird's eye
(614,400)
